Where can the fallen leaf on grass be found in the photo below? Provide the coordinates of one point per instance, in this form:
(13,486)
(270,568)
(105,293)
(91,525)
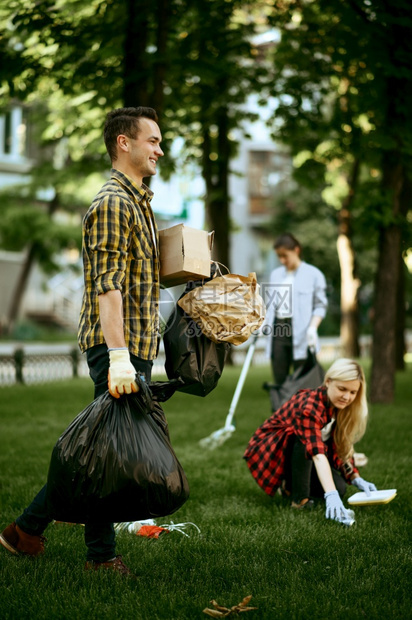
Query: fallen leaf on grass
(224,612)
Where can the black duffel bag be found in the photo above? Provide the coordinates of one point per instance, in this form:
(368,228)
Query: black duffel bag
(115,463)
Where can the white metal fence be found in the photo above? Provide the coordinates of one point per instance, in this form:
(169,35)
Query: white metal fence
(41,363)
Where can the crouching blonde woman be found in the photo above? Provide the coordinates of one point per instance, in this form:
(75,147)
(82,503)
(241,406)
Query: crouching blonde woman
(306,447)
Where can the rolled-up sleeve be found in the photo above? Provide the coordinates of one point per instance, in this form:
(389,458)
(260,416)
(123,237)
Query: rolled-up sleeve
(347,468)
(320,300)
(108,238)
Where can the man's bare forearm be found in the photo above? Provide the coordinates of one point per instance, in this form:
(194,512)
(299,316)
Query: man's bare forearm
(111,318)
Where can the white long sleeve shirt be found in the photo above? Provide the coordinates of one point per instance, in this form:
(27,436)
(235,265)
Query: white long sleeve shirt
(299,297)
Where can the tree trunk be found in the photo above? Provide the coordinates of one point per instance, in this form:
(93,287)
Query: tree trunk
(21,286)
(395,182)
(349,325)
(136,73)
(216,176)
(163,13)
(400,322)
(400,343)
(143,74)
(18,293)
(382,386)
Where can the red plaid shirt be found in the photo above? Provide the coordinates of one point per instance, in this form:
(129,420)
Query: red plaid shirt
(304,416)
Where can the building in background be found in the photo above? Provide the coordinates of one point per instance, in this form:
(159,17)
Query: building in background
(17,151)
(261,172)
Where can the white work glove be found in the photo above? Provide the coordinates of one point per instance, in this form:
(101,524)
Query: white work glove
(312,338)
(336,510)
(363,485)
(122,373)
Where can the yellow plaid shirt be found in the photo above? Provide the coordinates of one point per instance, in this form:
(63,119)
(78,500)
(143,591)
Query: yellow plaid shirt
(120,252)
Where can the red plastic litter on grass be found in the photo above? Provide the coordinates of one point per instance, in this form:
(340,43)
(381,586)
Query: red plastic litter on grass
(151,531)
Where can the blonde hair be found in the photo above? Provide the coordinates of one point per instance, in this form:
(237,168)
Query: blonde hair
(351,421)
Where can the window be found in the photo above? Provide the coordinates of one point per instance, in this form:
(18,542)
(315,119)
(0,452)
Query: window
(13,135)
(269,175)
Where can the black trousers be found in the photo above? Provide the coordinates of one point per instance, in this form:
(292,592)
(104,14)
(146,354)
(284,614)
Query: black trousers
(98,536)
(281,355)
(301,477)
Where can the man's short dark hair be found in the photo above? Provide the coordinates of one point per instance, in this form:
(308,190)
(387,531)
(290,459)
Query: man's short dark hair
(124,121)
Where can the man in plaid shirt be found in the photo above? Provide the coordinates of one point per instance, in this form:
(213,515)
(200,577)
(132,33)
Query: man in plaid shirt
(119,321)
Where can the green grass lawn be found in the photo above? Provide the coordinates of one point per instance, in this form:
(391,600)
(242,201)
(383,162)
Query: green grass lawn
(295,565)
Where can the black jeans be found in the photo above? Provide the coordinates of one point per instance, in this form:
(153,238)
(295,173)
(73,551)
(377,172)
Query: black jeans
(98,536)
(281,355)
(301,476)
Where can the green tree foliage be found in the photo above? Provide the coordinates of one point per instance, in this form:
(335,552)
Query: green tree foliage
(216,73)
(192,61)
(76,60)
(344,84)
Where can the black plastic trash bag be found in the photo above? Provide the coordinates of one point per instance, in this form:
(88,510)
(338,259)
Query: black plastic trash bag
(163,390)
(115,463)
(310,375)
(190,355)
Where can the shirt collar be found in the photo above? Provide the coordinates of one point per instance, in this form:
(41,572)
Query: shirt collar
(323,394)
(139,192)
(295,271)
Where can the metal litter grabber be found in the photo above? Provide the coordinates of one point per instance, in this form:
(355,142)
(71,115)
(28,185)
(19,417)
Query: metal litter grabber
(217,438)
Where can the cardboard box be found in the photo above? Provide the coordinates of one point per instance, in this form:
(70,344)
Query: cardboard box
(185,254)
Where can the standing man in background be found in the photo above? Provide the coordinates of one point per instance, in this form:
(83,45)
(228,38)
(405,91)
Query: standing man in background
(119,319)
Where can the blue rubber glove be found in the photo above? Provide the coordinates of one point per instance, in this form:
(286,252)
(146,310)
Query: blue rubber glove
(336,510)
(363,485)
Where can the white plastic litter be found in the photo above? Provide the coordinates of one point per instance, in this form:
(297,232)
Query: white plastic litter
(351,518)
(134,526)
(179,527)
(360,459)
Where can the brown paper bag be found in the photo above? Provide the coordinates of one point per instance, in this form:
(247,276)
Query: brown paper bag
(227,309)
